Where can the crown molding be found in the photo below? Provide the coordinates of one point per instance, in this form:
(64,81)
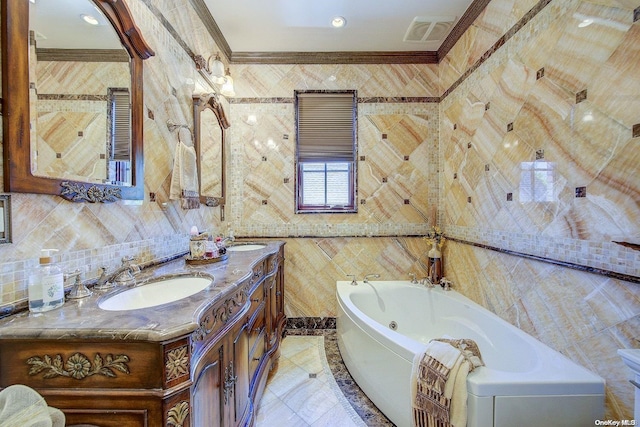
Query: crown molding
(410,57)
(473,11)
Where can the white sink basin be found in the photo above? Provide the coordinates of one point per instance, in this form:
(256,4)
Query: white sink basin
(156,293)
(246,247)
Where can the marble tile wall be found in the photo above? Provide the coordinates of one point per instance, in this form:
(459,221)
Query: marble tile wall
(493,99)
(72,119)
(533,88)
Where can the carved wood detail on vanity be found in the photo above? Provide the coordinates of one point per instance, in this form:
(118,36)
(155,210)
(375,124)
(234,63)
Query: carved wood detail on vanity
(177,362)
(177,415)
(78,365)
(218,316)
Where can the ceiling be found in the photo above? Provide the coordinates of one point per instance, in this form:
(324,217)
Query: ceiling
(294,31)
(57,24)
(279,30)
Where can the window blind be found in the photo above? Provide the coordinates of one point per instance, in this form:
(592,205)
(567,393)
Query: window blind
(120,125)
(326,126)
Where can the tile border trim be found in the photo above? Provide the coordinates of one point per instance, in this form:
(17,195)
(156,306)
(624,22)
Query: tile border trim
(599,271)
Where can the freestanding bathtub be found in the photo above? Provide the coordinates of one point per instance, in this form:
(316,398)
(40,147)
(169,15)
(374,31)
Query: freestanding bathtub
(524,382)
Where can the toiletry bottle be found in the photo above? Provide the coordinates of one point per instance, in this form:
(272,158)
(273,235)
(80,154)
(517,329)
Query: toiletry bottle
(210,248)
(46,284)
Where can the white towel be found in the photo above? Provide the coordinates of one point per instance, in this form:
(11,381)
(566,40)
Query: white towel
(21,406)
(184,178)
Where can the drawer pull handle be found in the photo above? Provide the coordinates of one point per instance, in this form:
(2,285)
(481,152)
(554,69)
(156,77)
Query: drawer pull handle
(278,293)
(255,359)
(255,300)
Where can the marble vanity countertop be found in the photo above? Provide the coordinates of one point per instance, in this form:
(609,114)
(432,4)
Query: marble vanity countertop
(83,319)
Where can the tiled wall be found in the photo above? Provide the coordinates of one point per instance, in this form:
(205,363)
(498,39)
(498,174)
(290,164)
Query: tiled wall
(397,196)
(566,98)
(586,316)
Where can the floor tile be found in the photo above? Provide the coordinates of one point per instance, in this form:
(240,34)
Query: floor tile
(302,391)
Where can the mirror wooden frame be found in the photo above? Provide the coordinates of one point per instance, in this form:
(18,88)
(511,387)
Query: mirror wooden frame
(201,103)
(15,108)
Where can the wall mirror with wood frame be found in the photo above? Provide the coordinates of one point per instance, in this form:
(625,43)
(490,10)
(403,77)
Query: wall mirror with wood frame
(210,124)
(69,130)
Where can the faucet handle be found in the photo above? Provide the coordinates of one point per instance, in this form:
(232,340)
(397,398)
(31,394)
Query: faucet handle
(79,289)
(413,278)
(353,280)
(445,283)
(71,274)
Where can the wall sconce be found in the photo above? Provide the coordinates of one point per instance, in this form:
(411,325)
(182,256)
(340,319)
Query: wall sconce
(227,87)
(212,70)
(216,69)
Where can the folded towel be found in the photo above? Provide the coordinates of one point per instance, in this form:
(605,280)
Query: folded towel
(184,179)
(439,382)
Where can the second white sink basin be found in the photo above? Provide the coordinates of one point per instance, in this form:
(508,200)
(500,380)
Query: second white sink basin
(156,293)
(246,247)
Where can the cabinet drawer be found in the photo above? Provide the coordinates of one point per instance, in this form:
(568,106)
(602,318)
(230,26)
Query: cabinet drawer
(256,353)
(256,327)
(257,299)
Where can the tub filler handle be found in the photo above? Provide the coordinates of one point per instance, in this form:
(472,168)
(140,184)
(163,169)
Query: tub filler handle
(413,278)
(353,280)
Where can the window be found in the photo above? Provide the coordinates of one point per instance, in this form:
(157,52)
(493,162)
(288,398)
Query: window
(537,181)
(325,151)
(119,123)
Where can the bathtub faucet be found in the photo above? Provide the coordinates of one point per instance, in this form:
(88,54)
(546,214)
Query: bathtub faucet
(366,278)
(413,278)
(445,283)
(353,279)
(427,282)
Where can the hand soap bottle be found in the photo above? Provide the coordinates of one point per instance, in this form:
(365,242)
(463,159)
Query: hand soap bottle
(46,284)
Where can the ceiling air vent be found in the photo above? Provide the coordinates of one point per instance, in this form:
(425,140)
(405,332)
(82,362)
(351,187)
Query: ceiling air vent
(428,28)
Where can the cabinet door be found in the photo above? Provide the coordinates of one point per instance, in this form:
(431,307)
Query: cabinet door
(239,364)
(272,309)
(207,398)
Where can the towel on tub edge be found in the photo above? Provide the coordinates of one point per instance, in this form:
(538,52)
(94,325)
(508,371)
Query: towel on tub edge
(439,382)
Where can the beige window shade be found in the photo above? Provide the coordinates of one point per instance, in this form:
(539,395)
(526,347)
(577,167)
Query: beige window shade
(120,125)
(326,126)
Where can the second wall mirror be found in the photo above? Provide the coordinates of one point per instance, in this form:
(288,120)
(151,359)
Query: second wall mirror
(210,125)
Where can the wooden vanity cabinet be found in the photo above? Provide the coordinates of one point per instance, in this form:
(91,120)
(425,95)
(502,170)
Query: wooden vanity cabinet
(230,367)
(213,376)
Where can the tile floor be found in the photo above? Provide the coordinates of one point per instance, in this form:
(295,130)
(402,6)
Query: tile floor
(303,391)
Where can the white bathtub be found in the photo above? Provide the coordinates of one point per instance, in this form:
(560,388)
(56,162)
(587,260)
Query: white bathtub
(524,382)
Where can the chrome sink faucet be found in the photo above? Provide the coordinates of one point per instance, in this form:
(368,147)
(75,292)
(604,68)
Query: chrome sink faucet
(122,276)
(366,278)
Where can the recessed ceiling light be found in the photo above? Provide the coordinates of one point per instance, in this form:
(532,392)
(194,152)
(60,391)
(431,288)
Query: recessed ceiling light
(89,19)
(338,22)
(585,23)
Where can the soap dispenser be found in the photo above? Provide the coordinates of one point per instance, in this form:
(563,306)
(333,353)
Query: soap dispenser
(46,284)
